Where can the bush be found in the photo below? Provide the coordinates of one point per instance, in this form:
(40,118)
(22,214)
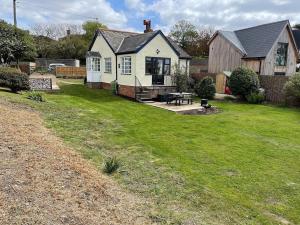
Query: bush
(243,82)
(292,88)
(255,98)
(206,88)
(13,79)
(36,96)
(111,165)
(180,80)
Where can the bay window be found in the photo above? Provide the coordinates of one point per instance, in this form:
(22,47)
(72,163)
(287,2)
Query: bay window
(93,64)
(126,65)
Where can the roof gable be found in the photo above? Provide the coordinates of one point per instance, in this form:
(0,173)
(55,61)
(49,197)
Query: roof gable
(258,41)
(231,37)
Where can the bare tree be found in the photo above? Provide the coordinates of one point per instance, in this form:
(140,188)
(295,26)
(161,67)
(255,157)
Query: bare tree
(55,31)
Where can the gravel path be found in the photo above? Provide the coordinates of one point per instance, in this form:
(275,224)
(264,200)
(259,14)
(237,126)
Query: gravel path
(43,182)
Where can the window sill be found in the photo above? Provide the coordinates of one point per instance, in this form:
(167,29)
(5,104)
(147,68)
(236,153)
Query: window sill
(108,72)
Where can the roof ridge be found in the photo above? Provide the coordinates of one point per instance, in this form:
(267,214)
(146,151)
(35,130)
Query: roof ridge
(287,21)
(120,31)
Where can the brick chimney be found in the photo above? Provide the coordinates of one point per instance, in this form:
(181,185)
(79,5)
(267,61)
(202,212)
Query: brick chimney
(147,23)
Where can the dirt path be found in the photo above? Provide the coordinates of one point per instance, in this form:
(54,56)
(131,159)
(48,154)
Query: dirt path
(43,182)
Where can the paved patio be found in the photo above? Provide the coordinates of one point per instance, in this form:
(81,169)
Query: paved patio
(179,108)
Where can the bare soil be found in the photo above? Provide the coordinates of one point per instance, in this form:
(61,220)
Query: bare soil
(44,182)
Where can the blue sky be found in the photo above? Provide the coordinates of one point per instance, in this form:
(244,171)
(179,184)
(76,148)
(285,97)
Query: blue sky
(129,14)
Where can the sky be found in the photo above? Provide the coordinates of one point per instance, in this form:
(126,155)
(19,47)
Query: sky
(129,14)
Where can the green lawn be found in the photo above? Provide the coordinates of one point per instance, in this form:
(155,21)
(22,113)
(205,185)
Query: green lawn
(241,166)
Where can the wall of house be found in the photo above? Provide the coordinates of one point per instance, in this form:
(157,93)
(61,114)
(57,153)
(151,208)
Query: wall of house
(268,66)
(252,64)
(105,51)
(150,50)
(128,80)
(223,56)
(185,65)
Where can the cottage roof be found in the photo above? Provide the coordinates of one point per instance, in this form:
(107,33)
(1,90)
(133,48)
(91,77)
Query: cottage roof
(296,34)
(122,42)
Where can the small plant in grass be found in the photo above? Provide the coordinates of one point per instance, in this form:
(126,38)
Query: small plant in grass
(36,96)
(111,165)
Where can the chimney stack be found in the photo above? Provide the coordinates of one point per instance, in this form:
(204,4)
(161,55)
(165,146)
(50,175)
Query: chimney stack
(147,23)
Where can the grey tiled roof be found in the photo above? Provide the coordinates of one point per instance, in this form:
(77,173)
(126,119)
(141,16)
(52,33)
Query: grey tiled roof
(133,43)
(126,42)
(93,54)
(231,36)
(296,34)
(115,38)
(255,42)
(182,53)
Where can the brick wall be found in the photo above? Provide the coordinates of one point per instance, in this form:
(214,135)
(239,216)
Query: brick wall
(127,91)
(106,86)
(273,86)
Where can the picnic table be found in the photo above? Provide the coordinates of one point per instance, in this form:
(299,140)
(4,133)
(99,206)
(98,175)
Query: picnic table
(180,98)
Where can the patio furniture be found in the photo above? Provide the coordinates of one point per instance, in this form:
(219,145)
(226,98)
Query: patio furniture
(187,97)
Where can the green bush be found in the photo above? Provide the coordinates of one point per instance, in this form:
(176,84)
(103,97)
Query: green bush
(36,96)
(243,82)
(111,165)
(255,98)
(292,88)
(206,88)
(13,79)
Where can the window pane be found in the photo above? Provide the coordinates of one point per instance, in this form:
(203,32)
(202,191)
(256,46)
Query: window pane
(281,57)
(167,61)
(167,69)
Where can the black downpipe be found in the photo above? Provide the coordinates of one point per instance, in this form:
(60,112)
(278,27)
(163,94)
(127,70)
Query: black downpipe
(117,85)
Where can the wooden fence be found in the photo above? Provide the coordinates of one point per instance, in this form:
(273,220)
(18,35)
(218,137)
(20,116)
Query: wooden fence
(273,86)
(200,76)
(70,72)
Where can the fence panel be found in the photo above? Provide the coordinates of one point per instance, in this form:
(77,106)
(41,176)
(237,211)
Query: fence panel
(71,72)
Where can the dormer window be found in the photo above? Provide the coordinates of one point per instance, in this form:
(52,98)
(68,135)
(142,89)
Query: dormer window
(282,52)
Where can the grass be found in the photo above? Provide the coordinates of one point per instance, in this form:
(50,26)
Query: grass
(237,167)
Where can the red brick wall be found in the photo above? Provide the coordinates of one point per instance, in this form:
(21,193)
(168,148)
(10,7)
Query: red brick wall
(128,91)
(93,84)
(106,86)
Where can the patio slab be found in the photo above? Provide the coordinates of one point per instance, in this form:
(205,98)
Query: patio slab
(178,109)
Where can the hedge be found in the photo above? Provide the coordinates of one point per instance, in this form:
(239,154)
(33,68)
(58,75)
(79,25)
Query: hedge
(13,79)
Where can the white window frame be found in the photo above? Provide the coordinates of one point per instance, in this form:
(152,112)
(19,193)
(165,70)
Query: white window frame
(107,65)
(94,64)
(126,65)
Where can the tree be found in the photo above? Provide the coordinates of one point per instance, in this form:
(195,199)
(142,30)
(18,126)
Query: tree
(56,31)
(90,27)
(206,88)
(193,40)
(297,26)
(183,33)
(15,44)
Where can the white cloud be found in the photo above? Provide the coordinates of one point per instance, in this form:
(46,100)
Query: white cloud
(66,11)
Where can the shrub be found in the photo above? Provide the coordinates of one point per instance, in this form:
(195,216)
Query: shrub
(292,88)
(111,165)
(206,88)
(243,82)
(36,96)
(13,79)
(180,79)
(255,98)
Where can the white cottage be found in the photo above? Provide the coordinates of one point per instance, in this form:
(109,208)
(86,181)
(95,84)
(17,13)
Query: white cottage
(140,63)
